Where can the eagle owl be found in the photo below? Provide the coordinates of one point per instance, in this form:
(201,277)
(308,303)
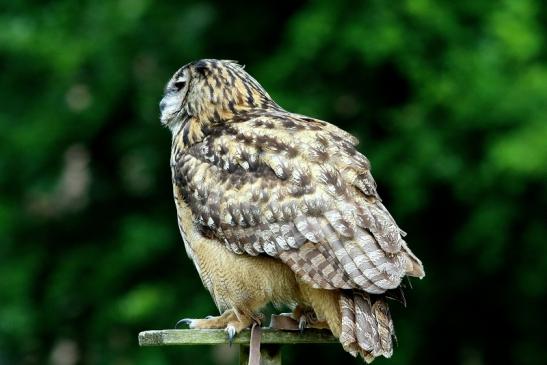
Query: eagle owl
(277,207)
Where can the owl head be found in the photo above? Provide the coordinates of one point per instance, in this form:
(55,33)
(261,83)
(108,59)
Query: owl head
(211,91)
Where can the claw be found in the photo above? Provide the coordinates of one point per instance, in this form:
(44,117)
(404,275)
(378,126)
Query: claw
(187,321)
(302,323)
(231,332)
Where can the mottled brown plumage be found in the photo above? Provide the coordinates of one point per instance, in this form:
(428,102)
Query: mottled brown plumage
(279,207)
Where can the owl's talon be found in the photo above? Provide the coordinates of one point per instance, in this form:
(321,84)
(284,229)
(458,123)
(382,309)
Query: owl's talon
(302,323)
(231,332)
(187,321)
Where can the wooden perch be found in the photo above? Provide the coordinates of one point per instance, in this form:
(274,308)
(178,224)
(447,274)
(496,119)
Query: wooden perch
(214,337)
(271,339)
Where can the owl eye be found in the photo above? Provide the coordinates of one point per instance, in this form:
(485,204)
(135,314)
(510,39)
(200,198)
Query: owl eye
(179,84)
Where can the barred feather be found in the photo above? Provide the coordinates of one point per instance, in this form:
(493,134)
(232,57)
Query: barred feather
(380,311)
(347,334)
(367,328)
(263,210)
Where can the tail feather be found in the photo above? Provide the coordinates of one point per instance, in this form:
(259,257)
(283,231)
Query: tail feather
(386,332)
(347,334)
(367,328)
(361,321)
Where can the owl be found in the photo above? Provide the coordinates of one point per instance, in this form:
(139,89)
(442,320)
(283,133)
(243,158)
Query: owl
(278,207)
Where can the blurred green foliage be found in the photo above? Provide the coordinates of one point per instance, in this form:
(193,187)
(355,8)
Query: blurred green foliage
(448,98)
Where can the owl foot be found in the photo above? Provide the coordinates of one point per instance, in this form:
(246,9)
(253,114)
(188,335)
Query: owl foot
(308,319)
(305,318)
(231,322)
(306,322)
(208,322)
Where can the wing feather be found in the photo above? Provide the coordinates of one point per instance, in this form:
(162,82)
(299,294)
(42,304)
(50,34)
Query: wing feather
(297,189)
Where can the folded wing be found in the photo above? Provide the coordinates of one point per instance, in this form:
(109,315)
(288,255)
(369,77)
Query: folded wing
(296,189)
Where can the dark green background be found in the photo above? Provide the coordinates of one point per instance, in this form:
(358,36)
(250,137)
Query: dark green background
(448,98)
